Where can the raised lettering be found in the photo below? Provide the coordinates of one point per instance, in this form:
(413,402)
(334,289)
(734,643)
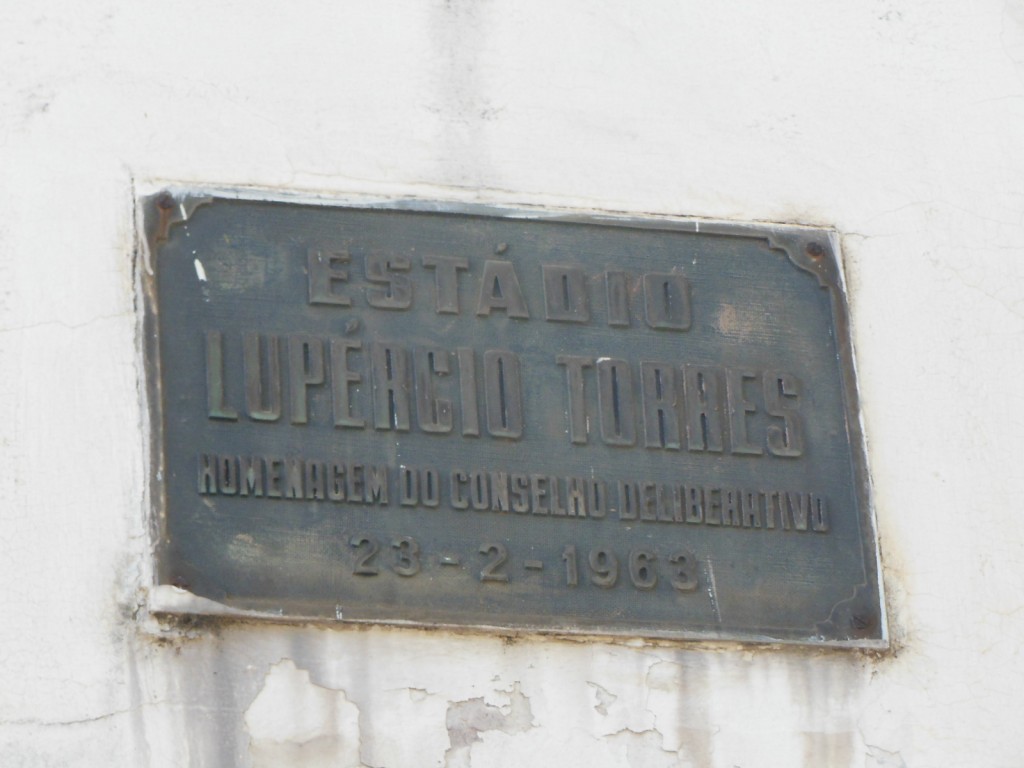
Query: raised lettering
(604,568)
(667,302)
(520,493)
(395,287)
(772,509)
(356,481)
(377,485)
(446,278)
(703,409)
(781,399)
(713,506)
(432,413)
(479,493)
(694,496)
(597,498)
(305,368)
(538,494)
(799,509)
(499,492)
(739,407)
(274,467)
(342,379)
(661,417)
(615,401)
(577,409)
(648,501)
(731,507)
(390,376)
(336,487)
(470,409)
(459,479)
(207,473)
(628,501)
(503,392)
(293,479)
(227,475)
(565,294)
(641,569)
(617,289)
(262,380)
(557,505)
(216,407)
(408,487)
(316,480)
(250,476)
(499,289)
(670,504)
(430,487)
(576,497)
(819,513)
(324,271)
(750,506)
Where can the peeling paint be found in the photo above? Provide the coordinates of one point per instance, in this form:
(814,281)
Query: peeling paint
(883,758)
(646,750)
(467,720)
(295,722)
(603,697)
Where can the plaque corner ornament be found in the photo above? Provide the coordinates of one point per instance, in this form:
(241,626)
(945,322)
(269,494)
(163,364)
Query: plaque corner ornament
(813,250)
(165,207)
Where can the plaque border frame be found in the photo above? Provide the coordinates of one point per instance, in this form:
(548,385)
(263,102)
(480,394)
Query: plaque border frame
(813,249)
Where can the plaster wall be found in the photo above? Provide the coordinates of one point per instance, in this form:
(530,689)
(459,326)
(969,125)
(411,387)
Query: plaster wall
(897,122)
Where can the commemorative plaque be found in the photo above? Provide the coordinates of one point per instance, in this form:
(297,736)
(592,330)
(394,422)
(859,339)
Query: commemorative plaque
(462,416)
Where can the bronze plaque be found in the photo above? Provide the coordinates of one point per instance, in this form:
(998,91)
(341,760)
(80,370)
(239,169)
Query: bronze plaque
(431,414)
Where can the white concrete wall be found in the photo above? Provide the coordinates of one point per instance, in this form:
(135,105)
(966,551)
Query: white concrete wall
(899,122)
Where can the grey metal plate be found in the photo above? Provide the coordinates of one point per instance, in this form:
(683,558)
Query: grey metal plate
(414,413)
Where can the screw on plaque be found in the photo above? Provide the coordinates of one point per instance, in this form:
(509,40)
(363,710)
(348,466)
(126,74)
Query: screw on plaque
(165,209)
(815,250)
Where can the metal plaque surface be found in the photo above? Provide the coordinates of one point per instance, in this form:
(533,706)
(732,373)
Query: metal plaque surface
(468,416)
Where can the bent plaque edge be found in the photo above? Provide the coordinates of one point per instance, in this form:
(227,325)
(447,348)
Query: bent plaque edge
(812,250)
